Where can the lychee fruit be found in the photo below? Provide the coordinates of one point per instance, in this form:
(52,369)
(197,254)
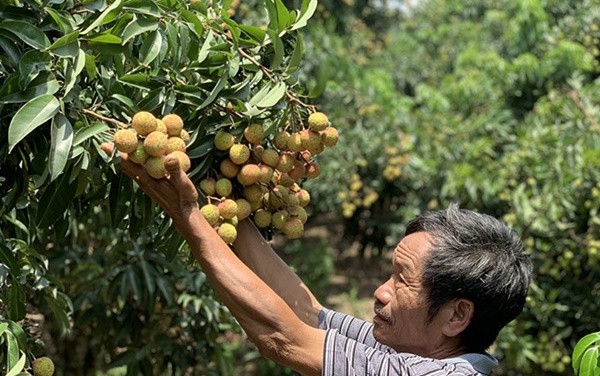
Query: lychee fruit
(279,218)
(125,140)
(313,170)
(223,187)
(160,126)
(286,162)
(298,212)
(223,140)
(293,228)
(270,157)
(257,152)
(253,193)
(207,186)
(298,171)
(228,208)
(211,213)
(249,174)
(318,121)
(174,143)
(262,218)
(295,142)
(266,173)
(185,136)
(244,208)
(139,155)
(174,124)
(43,366)
(227,232)
(239,153)
(280,140)
(155,165)
(228,168)
(330,136)
(184,160)
(144,122)
(311,141)
(303,197)
(155,143)
(254,133)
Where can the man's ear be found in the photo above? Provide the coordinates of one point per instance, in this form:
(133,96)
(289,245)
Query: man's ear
(458,316)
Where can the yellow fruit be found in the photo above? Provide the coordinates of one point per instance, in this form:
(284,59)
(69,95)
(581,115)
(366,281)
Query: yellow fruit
(43,366)
(249,174)
(207,186)
(281,140)
(155,143)
(174,124)
(303,197)
(139,155)
(318,121)
(295,142)
(125,140)
(262,218)
(228,208)
(244,208)
(313,170)
(270,157)
(279,218)
(223,187)
(266,174)
(155,165)
(254,133)
(257,152)
(239,153)
(330,136)
(185,136)
(311,141)
(284,179)
(293,228)
(228,168)
(211,213)
(298,212)
(286,162)
(253,193)
(144,122)
(184,161)
(227,232)
(298,171)
(174,143)
(224,140)
(160,126)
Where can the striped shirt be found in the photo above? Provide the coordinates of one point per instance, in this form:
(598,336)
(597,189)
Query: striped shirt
(351,349)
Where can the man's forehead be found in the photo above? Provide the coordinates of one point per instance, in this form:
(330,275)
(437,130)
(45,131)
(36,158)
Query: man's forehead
(412,248)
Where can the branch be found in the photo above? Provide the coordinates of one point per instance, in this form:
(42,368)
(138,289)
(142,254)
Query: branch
(104,118)
(577,100)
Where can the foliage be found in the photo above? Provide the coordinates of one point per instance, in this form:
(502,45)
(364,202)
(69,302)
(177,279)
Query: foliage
(586,355)
(495,105)
(90,269)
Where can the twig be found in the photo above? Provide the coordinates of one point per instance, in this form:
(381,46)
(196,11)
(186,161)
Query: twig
(577,100)
(104,118)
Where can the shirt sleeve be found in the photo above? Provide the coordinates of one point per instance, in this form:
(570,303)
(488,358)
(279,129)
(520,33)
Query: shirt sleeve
(348,357)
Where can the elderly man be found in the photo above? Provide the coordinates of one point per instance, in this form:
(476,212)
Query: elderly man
(458,278)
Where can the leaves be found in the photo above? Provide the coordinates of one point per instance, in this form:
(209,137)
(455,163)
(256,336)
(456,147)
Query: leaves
(33,114)
(586,355)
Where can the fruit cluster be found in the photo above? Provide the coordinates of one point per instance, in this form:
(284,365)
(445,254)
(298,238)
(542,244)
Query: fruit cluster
(259,177)
(150,139)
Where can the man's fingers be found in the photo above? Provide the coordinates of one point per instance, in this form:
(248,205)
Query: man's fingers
(180,180)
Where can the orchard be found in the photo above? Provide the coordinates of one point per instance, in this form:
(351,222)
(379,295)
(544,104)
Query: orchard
(361,114)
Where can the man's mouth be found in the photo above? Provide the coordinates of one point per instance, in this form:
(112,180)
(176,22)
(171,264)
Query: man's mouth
(379,317)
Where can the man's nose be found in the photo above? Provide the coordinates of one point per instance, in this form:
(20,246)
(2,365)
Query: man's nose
(384,292)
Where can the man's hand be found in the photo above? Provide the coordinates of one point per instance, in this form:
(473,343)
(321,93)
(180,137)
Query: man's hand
(176,193)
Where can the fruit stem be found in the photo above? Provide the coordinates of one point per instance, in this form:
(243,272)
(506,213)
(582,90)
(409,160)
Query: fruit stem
(103,118)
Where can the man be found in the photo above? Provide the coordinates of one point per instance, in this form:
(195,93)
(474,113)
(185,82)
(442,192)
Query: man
(458,278)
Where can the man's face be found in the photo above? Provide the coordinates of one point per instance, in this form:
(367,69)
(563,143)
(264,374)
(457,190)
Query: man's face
(401,306)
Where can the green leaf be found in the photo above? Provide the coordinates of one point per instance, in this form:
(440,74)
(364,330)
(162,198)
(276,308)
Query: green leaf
(3,327)
(215,91)
(205,49)
(254,32)
(90,66)
(273,96)
(296,57)
(12,350)
(581,346)
(28,33)
(139,80)
(105,39)
(60,145)
(30,116)
(589,362)
(193,19)
(7,258)
(142,7)
(55,201)
(51,86)
(106,16)
(18,367)
(307,11)
(88,132)
(65,40)
(11,50)
(62,19)
(16,303)
(151,47)
(32,63)
(136,27)
(278,50)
